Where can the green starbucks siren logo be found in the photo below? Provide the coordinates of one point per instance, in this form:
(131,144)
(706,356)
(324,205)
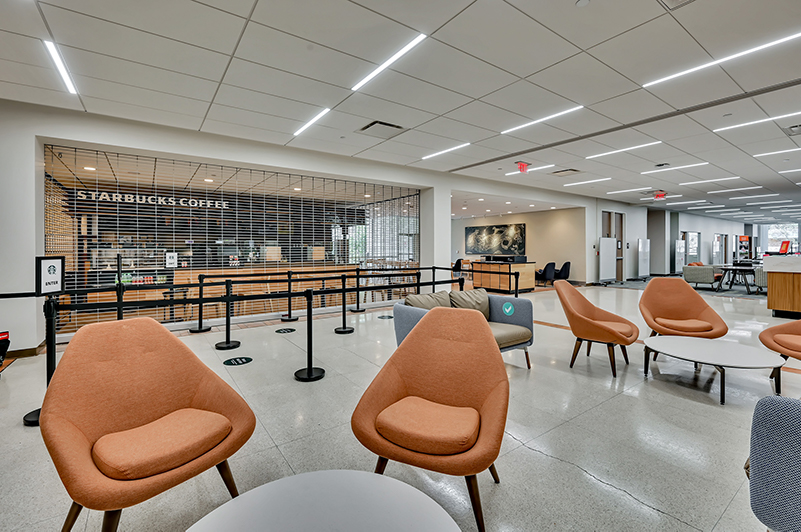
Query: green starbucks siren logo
(51,270)
(508,309)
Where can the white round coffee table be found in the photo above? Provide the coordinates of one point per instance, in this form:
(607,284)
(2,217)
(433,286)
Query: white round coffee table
(340,500)
(719,353)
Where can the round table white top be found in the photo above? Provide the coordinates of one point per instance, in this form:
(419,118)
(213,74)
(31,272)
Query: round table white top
(340,500)
(715,352)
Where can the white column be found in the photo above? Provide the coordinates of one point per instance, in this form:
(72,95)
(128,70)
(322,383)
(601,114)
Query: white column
(435,229)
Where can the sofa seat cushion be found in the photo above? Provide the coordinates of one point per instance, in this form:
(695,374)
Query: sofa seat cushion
(473,299)
(507,335)
(685,325)
(429,301)
(426,427)
(789,341)
(161,445)
(622,328)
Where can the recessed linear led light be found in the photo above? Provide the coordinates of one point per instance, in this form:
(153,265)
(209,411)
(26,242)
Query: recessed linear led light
(624,149)
(367,195)
(790,171)
(388,62)
(741,214)
(62,69)
(209,180)
(629,190)
(706,207)
(773,201)
(552,208)
(686,202)
(723,60)
(488,210)
(446,151)
(756,122)
(710,180)
(584,183)
(542,119)
(532,169)
(733,190)
(312,121)
(674,168)
(758,196)
(776,152)
(508,202)
(531,205)
(464,208)
(480,199)
(90,168)
(725,210)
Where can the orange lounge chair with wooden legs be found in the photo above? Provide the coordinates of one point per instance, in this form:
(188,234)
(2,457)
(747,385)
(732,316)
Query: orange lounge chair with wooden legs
(592,324)
(440,401)
(785,339)
(131,412)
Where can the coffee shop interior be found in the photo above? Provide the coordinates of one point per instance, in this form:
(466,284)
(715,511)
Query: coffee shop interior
(365,265)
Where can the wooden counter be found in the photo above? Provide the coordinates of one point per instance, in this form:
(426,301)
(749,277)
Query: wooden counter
(784,282)
(482,278)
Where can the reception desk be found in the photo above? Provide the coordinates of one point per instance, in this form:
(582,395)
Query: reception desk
(784,283)
(484,278)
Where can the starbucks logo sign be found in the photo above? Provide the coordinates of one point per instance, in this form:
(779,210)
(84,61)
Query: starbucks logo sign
(51,270)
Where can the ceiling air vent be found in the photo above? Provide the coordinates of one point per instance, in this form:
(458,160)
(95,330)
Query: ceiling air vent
(675,4)
(566,172)
(381,130)
(792,130)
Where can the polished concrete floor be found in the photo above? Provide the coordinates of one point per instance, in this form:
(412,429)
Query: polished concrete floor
(582,451)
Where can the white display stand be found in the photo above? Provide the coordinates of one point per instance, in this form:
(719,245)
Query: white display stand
(643,257)
(607,260)
(680,256)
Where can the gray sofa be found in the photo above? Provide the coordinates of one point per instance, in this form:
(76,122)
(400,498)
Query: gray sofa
(512,326)
(702,274)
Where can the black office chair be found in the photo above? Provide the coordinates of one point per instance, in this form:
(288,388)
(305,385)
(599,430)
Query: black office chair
(563,272)
(546,274)
(457,270)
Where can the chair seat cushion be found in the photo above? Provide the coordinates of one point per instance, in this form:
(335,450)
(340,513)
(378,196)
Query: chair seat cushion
(718,276)
(426,427)
(788,341)
(622,328)
(161,445)
(473,299)
(685,325)
(429,301)
(507,334)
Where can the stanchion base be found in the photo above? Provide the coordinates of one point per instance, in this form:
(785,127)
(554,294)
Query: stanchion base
(31,419)
(225,346)
(306,375)
(357,310)
(200,330)
(288,318)
(343,330)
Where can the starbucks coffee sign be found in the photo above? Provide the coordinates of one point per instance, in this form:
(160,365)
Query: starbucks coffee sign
(166,201)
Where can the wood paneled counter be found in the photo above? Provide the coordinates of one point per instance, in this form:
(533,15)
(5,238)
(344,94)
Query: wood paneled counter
(483,278)
(784,283)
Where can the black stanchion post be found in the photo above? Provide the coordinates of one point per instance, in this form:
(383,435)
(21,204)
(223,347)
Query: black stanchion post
(517,284)
(31,419)
(461,284)
(288,315)
(358,288)
(228,343)
(119,287)
(417,281)
(433,279)
(344,329)
(309,373)
(200,328)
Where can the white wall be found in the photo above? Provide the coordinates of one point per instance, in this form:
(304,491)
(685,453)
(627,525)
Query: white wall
(551,236)
(708,227)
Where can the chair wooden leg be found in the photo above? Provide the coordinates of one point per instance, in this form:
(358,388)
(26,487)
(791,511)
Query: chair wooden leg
(381,465)
(228,478)
(494,474)
(625,354)
(72,517)
(528,360)
(111,520)
(475,499)
(611,349)
(589,346)
(575,351)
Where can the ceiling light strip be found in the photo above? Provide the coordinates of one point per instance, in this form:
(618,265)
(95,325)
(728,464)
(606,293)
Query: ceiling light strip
(776,152)
(533,169)
(723,60)
(676,168)
(773,201)
(790,171)
(685,202)
(446,151)
(733,190)
(756,122)
(706,207)
(750,197)
(389,61)
(624,149)
(312,121)
(710,180)
(542,119)
(586,182)
(724,210)
(62,69)
(629,190)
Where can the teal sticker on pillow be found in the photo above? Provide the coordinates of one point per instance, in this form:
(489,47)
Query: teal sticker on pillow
(508,309)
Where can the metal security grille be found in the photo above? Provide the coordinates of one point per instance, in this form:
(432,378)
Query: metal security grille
(171,220)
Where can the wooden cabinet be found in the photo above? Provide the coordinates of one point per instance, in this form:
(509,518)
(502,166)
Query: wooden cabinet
(784,291)
(484,276)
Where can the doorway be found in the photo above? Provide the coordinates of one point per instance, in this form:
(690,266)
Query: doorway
(692,246)
(720,248)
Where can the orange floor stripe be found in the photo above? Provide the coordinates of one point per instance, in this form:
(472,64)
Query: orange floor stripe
(7,362)
(791,370)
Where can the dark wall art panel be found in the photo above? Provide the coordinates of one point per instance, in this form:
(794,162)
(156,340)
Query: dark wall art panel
(495,240)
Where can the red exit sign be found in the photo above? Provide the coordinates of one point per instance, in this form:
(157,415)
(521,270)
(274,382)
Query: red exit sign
(659,195)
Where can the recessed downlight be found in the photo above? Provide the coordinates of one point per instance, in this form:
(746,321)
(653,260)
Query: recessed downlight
(297,189)
(209,180)
(90,168)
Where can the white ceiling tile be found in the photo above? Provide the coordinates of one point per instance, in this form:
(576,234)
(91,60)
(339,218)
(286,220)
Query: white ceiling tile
(37,95)
(33,76)
(633,106)
(286,52)
(95,35)
(264,103)
(754,133)
(446,127)
(279,83)
(406,90)
(20,16)
(480,153)
(486,116)
(506,144)
(729,114)
(700,87)
(584,148)
(24,49)
(554,156)
(142,114)
(594,23)
(400,148)
(489,29)
(583,79)
(136,74)
(240,8)
(778,65)
(672,128)
(309,143)
(339,24)
(782,102)
(383,110)
(245,132)
(339,136)
(652,51)
(232,115)
(443,163)
(182,20)
(442,65)
(699,143)
(344,122)
(427,142)
(768,146)
(424,16)
(583,122)
(117,92)
(529,100)
(377,155)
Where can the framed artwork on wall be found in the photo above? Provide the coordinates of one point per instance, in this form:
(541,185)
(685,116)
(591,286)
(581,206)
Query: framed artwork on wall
(509,239)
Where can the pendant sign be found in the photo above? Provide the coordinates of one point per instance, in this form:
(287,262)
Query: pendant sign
(523,167)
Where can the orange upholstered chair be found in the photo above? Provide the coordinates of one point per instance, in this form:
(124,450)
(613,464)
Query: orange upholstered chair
(440,401)
(785,339)
(131,412)
(592,324)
